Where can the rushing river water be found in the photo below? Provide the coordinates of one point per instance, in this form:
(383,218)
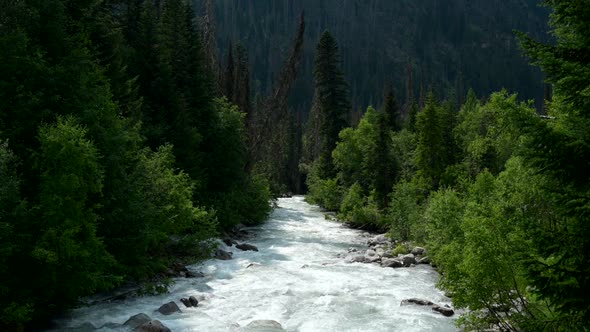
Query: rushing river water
(299,278)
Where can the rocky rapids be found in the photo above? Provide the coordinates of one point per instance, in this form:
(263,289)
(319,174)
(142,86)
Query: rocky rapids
(309,274)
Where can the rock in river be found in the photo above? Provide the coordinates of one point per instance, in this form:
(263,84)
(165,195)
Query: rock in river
(246,247)
(222,254)
(137,320)
(169,308)
(153,326)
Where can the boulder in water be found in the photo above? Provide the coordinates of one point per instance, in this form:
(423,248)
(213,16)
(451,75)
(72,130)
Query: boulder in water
(246,247)
(137,320)
(222,255)
(265,326)
(416,301)
(186,302)
(228,242)
(408,260)
(391,262)
(372,259)
(193,300)
(153,326)
(445,311)
(169,308)
(356,259)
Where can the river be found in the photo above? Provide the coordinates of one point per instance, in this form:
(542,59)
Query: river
(299,278)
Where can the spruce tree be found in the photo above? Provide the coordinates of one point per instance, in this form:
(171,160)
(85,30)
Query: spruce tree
(559,149)
(331,93)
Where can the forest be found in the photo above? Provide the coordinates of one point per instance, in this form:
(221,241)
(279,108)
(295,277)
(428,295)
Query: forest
(135,132)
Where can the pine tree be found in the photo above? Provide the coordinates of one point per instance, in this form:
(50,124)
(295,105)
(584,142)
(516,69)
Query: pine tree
(430,152)
(229,76)
(331,93)
(560,150)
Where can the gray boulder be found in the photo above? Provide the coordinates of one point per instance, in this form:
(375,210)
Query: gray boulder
(356,259)
(418,251)
(372,259)
(370,252)
(193,300)
(423,260)
(222,255)
(391,262)
(445,311)
(379,239)
(417,301)
(169,308)
(186,302)
(408,260)
(137,320)
(246,247)
(153,326)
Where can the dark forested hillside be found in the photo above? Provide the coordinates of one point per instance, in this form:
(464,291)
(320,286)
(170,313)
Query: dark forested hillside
(452,44)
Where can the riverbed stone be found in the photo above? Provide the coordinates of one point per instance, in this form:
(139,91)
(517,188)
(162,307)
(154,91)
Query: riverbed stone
(186,302)
(222,255)
(246,247)
(418,251)
(445,311)
(169,308)
(379,239)
(356,259)
(424,260)
(372,259)
(228,242)
(265,325)
(391,262)
(153,326)
(370,252)
(193,300)
(408,260)
(417,301)
(137,320)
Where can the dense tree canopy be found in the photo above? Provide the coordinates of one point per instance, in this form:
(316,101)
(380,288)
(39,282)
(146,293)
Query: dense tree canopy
(115,156)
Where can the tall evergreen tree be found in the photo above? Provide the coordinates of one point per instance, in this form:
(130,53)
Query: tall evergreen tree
(560,149)
(331,93)
(430,152)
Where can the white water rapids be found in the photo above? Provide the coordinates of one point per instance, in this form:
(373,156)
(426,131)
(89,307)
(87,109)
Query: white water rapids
(299,278)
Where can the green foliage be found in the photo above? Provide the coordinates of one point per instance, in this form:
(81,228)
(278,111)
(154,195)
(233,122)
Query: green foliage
(559,148)
(70,256)
(237,197)
(401,249)
(324,192)
(140,167)
(353,201)
(405,212)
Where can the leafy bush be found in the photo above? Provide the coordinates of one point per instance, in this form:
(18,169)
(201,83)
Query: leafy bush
(402,248)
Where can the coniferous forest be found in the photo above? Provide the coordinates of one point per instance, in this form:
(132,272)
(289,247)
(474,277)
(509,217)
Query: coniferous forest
(133,133)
